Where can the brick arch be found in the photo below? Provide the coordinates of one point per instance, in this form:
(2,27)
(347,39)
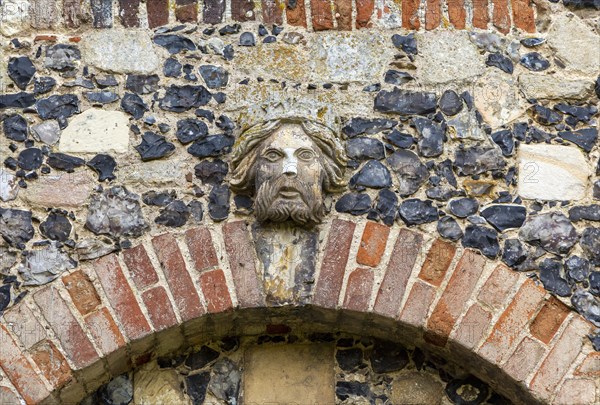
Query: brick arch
(179,289)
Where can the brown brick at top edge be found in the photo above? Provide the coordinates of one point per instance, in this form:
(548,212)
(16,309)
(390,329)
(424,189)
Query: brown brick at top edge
(343,14)
(436,263)
(128,12)
(372,244)
(548,320)
(410,14)
(52,363)
(243,10)
(82,292)
(433,14)
(333,264)
(202,250)
(212,11)
(272,11)
(364,12)
(500,16)
(523,15)
(158,12)
(295,13)
(322,17)
(457,13)
(481,18)
(72,13)
(186,11)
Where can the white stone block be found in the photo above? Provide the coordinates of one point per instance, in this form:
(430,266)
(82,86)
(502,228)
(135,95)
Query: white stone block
(96,131)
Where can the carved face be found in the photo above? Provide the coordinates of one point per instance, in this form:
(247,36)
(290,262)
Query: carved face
(289,177)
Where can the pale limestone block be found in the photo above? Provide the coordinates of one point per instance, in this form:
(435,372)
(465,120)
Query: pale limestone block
(575,43)
(96,131)
(498,99)
(157,387)
(547,87)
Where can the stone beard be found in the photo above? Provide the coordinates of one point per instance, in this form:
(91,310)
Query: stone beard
(288,164)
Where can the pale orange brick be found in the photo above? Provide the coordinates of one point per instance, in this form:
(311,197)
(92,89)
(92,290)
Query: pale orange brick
(577,391)
(473,327)
(52,363)
(21,321)
(105,331)
(497,287)
(159,308)
(358,290)
(437,262)
(548,320)
(372,244)
(524,360)
(82,292)
(417,304)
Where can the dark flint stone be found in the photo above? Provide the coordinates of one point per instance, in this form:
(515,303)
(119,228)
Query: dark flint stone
(218,202)
(18,100)
(225,123)
(514,253)
(211,172)
(172,68)
(477,160)
(577,268)
(225,381)
(397,78)
(405,102)
(468,391)
(196,210)
(190,129)
(468,98)
(580,4)
(154,146)
(387,206)
(247,39)
(119,391)
(43,85)
(215,77)
(372,175)
(60,161)
(228,52)
(58,107)
(387,357)
(354,203)
(142,84)
(400,139)
(80,82)
(101,97)
(448,228)
(546,116)
(442,193)
(372,88)
(534,61)
(595,286)
(551,278)
(503,217)
(450,103)
(159,199)
(363,148)
(463,207)
(483,239)
(269,40)
(212,145)
(243,203)
(134,105)
(15,128)
(552,231)
(62,57)
(201,358)
(359,126)
(587,212)
(584,138)
(532,42)
(4,297)
(230,29)
(431,143)
(11,163)
(104,165)
(106,81)
(408,43)
(409,169)
(596,190)
(220,97)
(174,215)
(476,219)
(597,87)
(21,71)
(30,159)
(581,113)
(277,30)
(201,113)
(182,98)
(197,385)
(537,135)
(590,243)
(349,359)
(414,211)
(351,389)
(262,31)
(56,227)
(174,43)
(15,227)
(588,306)
(504,139)
(444,169)
(501,62)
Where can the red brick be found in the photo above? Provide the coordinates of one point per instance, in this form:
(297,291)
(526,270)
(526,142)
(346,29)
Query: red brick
(481,18)
(473,327)
(212,12)
(497,287)
(52,363)
(216,293)
(500,16)
(82,292)
(322,18)
(455,296)
(364,12)
(334,262)
(43,13)
(560,358)
(437,262)
(24,325)
(75,39)
(410,14)
(358,290)
(242,10)
(121,297)
(392,289)
(272,11)
(102,15)
(512,322)
(241,254)
(417,304)
(524,360)
(159,308)
(343,14)
(128,11)
(295,13)
(523,15)
(186,11)
(105,332)
(158,12)
(202,250)
(457,13)
(140,267)
(433,14)
(180,282)
(19,370)
(372,244)
(277,329)
(73,339)
(49,38)
(548,320)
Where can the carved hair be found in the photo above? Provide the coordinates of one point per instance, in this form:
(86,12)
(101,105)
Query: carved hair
(247,149)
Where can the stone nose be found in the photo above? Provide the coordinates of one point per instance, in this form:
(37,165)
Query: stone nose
(290,163)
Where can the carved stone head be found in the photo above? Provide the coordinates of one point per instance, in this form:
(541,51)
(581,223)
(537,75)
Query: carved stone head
(288,164)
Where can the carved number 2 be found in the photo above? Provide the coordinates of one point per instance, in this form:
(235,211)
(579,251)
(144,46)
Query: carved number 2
(530,177)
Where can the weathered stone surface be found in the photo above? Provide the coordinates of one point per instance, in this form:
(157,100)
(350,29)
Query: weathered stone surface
(15,17)
(498,99)
(62,57)
(552,172)
(47,132)
(543,87)
(44,265)
(9,188)
(89,249)
(60,190)
(15,226)
(551,231)
(120,51)
(590,243)
(416,388)
(157,387)
(116,212)
(483,239)
(405,102)
(96,131)
(409,169)
(477,160)
(572,40)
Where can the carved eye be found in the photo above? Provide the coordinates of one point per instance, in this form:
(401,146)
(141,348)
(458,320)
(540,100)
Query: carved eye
(272,155)
(306,155)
